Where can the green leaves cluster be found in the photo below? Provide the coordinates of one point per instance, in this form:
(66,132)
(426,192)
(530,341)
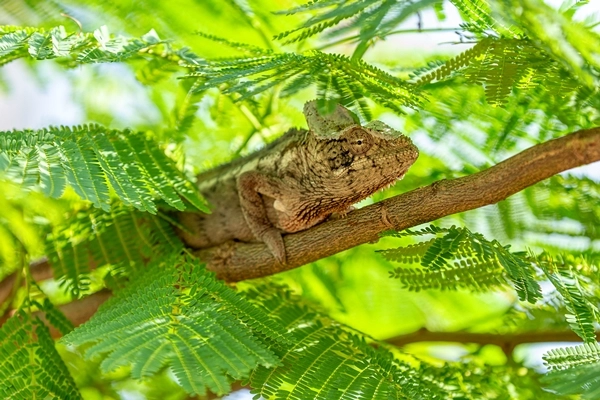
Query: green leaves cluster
(177,314)
(579,302)
(569,43)
(339,79)
(93,160)
(516,50)
(123,238)
(30,367)
(573,370)
(174,315)
(75,48)
(373,19)
(322,359)
(459,258)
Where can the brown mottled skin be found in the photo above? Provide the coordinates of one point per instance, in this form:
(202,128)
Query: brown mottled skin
(297,181)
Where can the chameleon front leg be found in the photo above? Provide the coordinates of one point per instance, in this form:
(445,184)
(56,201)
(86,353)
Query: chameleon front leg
(251,185)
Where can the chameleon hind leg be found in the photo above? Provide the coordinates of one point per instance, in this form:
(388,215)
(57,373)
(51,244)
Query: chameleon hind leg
(251,185)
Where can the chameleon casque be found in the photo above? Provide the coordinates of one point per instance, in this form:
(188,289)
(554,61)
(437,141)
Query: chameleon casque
(298,180)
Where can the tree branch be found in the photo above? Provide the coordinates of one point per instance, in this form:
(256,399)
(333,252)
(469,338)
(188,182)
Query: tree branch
(240,261)
(424,335)
(507,342)
(77,311)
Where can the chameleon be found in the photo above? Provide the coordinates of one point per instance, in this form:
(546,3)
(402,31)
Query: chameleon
(297,181)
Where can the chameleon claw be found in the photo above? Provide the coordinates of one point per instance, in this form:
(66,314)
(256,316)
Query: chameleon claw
(272,238)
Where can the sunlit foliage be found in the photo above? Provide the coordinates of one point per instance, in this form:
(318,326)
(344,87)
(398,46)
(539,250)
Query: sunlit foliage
(167,90)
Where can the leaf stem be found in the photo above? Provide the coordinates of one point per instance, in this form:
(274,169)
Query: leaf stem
(400,31)
(256,122)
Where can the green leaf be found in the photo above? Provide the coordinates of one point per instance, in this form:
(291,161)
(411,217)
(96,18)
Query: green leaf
(93,160)
(13,46)
(581,311)
(567,357)
(459,258)
(177,314)
(582,380)
(124,238)
(83,172)
(336,76)
(30,367)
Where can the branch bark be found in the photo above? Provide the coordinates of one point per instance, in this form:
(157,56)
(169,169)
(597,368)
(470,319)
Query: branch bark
(506,341)
(235,262)
(514,339)
(240,261)
(77,311)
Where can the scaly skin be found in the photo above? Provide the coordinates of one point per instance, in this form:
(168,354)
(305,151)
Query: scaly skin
(297,181)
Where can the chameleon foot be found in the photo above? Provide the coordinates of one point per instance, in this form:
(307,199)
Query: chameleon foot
(272,238)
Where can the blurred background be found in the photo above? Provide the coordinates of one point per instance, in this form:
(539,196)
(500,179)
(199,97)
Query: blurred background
(457,131)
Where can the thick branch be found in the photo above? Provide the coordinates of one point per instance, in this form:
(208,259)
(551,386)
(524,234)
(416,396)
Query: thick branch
(77,311)
(239,261)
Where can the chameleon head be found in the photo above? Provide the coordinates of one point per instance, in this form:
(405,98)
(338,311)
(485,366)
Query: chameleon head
(350,161)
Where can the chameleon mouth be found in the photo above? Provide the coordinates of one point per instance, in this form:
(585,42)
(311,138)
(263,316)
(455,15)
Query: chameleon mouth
(391,183)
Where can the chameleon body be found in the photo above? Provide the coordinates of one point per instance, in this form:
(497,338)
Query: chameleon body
(298,181)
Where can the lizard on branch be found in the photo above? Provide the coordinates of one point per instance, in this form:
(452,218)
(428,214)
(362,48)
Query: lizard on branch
(298,181)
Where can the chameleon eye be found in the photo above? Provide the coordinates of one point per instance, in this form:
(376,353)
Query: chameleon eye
(358,141)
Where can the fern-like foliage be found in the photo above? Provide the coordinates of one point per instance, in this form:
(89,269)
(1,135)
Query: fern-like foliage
(185,114)
(76,48)
(501,65)
(339,79)
(481,20)
(177,314)
(574,370)
(464,258)
(582,313)
(30,367)
(570,43)
(471,274)
(517,51)
(583,380)
(371,18)
(326,361)
(93,160)
(569,357)
(123,238)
